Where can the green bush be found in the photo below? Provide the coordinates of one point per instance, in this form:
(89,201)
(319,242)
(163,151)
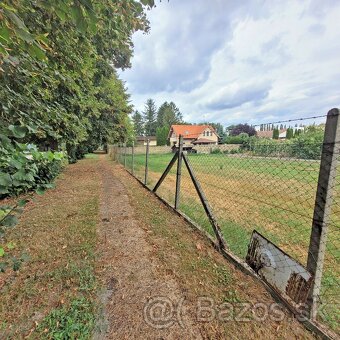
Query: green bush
(307,145)
(215,151)
(239,139)
(23,168)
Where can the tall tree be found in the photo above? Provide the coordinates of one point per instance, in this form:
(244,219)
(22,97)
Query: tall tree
(138,123)
(276,133)
(57,74)
(168,114)
(243,128)
(150,116)
(162,135)
(290,133)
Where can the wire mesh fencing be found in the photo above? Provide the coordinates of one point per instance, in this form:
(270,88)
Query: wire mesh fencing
(287,190)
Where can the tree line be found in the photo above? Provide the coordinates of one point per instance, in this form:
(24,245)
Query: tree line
(60,92)
(58,78)
(153,121)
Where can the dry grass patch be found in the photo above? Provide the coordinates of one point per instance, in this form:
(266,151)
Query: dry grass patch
(58,232)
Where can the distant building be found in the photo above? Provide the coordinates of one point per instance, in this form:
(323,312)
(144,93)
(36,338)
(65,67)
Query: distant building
(142,140)
(193,135)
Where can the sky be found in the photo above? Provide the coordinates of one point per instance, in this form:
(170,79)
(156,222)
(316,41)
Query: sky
(232,62)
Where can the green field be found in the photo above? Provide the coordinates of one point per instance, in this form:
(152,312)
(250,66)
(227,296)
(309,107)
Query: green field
(274,196)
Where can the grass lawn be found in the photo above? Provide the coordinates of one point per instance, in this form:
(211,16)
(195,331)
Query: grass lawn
(274,196)
(53,294)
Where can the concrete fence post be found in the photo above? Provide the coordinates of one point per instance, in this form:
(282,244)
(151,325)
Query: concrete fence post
(322,208)
(179,172)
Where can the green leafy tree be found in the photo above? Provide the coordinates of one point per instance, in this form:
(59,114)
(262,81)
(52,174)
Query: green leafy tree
(59,85)
(149,116)
(162,135)
(138,123)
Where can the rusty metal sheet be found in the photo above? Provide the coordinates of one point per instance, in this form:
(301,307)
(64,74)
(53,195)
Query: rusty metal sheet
(278,269)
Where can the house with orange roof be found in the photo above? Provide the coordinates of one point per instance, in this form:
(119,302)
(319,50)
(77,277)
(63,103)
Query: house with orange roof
(193,135)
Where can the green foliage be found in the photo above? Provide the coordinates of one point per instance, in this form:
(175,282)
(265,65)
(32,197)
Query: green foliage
(69,322)
(290,133)
(23,168)
(56,70)
(215,151)
(242,138)
(150,115)
(276,133)
(59,86)
(162,135)
(138,124)
(168,114)
(307,145)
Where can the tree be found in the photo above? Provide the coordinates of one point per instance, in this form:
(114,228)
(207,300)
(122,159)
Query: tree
(70,47)
(290,133)
(149,115)
(168,114)
(276,133)
(162,135)
(243,128)
(138,123)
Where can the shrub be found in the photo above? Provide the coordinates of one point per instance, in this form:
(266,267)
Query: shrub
(23,168)
(308,144)
(239,139)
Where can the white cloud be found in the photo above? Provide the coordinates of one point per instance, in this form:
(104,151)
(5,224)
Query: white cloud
(246,63)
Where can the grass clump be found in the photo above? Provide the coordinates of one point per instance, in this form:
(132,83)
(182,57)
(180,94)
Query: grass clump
(75,321)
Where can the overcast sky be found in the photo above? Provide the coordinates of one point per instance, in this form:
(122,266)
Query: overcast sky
(239,61)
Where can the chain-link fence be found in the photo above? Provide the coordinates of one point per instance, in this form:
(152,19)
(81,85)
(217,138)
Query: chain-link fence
(287,190)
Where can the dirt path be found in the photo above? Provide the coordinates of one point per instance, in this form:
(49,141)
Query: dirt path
(130,271)
(149,252)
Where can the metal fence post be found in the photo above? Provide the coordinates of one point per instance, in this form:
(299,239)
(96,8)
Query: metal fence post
(179,172)
(125,155)
(322,209)
(133,159)
(146,162)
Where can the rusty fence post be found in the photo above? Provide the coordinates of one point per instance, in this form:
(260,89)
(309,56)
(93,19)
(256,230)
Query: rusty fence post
(133,159)
(322,208)
(146,161)
(179,172)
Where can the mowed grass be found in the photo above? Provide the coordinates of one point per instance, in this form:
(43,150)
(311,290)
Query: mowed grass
(274,196)
(53,294)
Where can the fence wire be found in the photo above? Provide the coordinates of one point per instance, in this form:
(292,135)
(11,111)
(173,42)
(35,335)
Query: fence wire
(266,185)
